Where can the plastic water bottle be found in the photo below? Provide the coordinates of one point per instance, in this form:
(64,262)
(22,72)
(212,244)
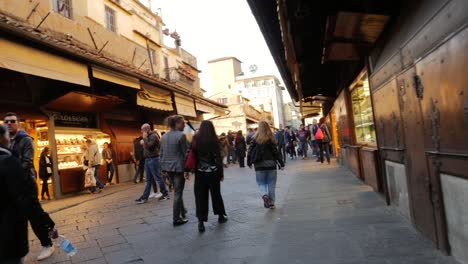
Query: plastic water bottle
(66,245)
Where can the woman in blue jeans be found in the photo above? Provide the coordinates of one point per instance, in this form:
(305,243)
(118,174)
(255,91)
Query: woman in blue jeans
(263,154)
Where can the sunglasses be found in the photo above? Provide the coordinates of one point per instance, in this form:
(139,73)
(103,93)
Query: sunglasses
(10,121)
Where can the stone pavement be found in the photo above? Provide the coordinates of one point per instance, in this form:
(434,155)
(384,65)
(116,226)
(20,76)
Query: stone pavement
(323,215)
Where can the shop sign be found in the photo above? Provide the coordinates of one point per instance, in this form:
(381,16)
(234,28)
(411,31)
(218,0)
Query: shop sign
(75,120)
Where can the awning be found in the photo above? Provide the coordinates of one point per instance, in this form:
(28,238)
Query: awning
(84,103)
(154,98)
(204,108)
(310,109)
(185,106)
(115,77)
(20,58)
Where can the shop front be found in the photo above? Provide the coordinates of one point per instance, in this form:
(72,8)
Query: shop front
(70,142)
(353,115)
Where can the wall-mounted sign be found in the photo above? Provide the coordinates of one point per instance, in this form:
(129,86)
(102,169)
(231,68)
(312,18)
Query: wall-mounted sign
(75,120)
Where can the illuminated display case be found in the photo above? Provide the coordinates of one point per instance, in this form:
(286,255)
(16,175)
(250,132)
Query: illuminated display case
(362,111)
(71,144)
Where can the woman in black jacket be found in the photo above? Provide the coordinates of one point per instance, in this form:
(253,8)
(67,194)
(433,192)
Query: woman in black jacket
(45,171)
(208,174)
(263,153)
(241,148)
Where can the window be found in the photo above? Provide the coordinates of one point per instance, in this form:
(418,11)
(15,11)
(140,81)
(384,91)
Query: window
(258,83)
(223,101)
(362,111)
(152,56)
(63,7)
(110,19)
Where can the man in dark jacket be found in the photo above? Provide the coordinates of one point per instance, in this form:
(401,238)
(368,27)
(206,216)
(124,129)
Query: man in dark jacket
(279,137)
(139,159)
(151,147)
(22,145)
(19,204)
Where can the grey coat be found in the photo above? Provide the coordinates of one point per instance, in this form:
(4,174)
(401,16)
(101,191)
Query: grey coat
(174,149)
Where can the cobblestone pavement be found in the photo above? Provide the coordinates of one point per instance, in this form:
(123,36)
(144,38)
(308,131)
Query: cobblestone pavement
(323,215)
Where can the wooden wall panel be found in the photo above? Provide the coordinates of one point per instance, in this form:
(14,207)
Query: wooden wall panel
(389,70)
(445,96)
(370,171)
(415,159)
(387,116)
(343,119)
(354,161)
(450,17)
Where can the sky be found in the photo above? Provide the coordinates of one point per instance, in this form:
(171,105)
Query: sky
(212,29)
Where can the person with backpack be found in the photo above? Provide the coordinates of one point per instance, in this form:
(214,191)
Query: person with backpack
(263,154)
(323,138)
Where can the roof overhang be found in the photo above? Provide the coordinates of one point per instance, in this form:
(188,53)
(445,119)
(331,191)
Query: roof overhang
(319,48)
(83,103)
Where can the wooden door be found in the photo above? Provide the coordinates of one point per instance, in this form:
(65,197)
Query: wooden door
(415,157)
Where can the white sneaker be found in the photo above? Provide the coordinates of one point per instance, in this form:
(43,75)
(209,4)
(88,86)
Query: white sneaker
(158,195)
(152,195)
(46,252)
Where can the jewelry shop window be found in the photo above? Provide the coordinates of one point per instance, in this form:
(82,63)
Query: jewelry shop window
(362,111)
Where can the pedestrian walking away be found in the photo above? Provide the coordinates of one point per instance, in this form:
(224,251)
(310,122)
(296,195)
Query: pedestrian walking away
(241,148)
(108,157)
(92,159)
(174,147)
(151,150)
(279,137)
(313,142)
(323,138)
(22,145)
(139,160)
(292,141)
(232,150)
(208,174)
(224,149)
(250,135)
(264,156)
(45,171)
(303,138)
(19,205)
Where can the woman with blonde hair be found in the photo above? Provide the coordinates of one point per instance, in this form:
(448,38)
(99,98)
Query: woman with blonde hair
(263,154)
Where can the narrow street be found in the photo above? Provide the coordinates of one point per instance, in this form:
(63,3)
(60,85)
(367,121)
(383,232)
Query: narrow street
(324,215)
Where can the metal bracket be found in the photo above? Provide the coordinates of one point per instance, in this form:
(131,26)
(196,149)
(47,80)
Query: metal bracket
(418,86)
(401,94)
(434,116)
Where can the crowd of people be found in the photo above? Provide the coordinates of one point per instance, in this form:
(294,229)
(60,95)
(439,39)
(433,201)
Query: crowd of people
(315,136)
(167,160)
